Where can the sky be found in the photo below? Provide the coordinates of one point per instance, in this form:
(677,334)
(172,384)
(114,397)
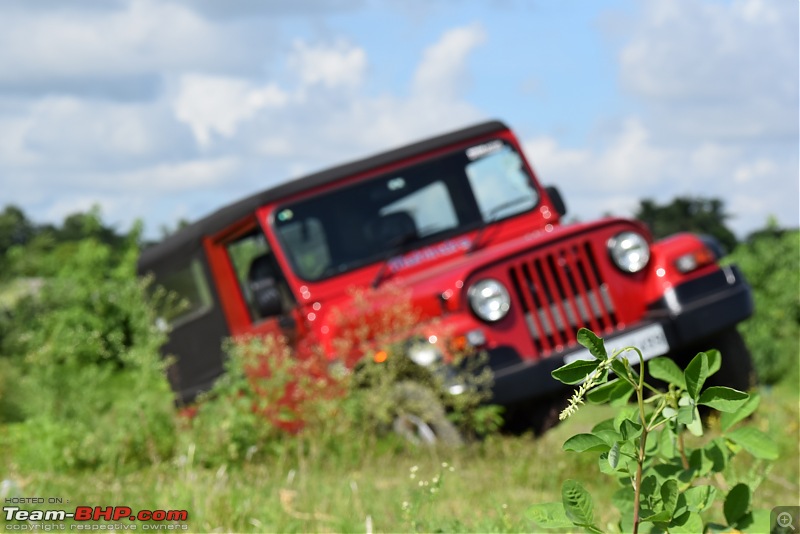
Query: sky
(161,110)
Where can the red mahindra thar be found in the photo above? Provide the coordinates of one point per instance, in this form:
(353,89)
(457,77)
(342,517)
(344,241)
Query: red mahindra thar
(462,223)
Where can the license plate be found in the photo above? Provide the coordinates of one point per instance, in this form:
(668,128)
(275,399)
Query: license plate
(650,340)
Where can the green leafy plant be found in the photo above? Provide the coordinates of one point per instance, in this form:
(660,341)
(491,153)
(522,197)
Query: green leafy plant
(84,385)
(663,482)
(770,260)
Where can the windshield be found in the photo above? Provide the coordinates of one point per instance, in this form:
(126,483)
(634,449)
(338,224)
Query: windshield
(365,222)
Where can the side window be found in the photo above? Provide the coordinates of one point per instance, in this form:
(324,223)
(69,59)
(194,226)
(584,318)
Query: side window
(263,287)
(190,285)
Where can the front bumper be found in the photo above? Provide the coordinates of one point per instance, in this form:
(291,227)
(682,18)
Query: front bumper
(688,314)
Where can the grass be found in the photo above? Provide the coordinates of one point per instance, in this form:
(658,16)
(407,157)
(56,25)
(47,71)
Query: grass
(485,487)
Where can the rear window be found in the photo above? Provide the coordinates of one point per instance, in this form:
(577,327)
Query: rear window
(189,285)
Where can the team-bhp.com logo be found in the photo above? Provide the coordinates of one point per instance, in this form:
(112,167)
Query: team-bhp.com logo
(19,519)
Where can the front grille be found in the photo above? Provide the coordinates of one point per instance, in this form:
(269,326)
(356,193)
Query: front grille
(560,290)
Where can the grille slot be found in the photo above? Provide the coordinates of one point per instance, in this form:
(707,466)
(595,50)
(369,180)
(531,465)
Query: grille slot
(560,290)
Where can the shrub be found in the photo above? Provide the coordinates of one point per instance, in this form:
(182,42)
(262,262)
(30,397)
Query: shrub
(266,395)
(770,263)
(88,377)
(270,390)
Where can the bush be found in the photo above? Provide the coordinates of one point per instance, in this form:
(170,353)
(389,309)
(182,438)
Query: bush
(270,391)
(266,395)
(770,263)
(87,387)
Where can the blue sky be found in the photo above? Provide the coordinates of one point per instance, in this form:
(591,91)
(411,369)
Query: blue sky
(166,109)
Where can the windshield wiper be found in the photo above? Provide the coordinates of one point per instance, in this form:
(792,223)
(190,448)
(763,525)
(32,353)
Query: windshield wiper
(492,217)
(397,246)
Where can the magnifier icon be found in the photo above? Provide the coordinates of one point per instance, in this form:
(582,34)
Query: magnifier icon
(785,520)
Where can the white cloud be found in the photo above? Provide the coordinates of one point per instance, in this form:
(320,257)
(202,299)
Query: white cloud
(628,161)
(716,85)
(62,208)
(215,104)
(63,49)
(330,94)
(613,178)
(716,70)
(443,70)
(184,176)
(339,65)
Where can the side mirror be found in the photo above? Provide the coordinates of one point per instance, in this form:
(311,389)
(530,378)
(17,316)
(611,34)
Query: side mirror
(266,297)
(555,198)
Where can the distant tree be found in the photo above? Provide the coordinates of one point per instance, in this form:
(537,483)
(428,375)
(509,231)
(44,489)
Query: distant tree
(166,230)
(27,249)
(773,229)
(687,214)
(15,228)
(79,226)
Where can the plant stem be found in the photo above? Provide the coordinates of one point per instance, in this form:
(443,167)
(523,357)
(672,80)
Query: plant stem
(684,460)
(638,490)
(642,444)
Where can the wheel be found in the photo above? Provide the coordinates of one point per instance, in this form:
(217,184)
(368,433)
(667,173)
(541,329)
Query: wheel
(736,370)
(537,415)
(421,418)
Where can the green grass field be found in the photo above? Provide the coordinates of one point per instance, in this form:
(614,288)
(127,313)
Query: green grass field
(388,486)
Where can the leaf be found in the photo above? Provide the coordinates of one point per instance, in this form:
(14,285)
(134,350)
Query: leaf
(577,502)
(696,426)
(615,392)
(755,442)
(626,414)
(613,456)
(669,496)
(548,515)
(668,371)
(689,523)
(699,462)
(695,374)
(584,443)
(716,453)
(619,395)
(630,430)
(666,442)
(723,399)
(588,339)
(727,420)
(714,361)
(575,372)
(737,503)
(622,371)
(600,394)
(699,498)
(608,436)
(606,424)
(749,521)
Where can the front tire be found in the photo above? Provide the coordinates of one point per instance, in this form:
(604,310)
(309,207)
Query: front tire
(537,415)
(421,418)
(737,369)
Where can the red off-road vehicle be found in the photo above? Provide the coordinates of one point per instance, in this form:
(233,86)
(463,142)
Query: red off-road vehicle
(463,224)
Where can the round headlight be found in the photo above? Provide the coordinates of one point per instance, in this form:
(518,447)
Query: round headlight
(629,251)
(489,299)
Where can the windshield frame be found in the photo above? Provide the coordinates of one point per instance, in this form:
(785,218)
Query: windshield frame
(382,256)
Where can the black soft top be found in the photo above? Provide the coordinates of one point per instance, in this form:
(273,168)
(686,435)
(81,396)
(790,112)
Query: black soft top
(188,240)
